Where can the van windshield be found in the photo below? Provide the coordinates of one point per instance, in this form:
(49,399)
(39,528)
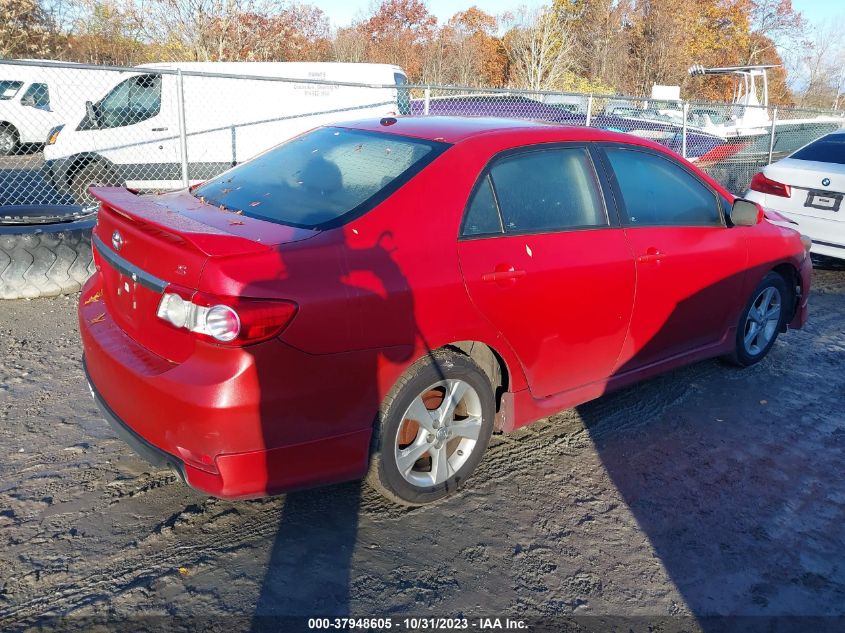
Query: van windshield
(9,89)
(322,178)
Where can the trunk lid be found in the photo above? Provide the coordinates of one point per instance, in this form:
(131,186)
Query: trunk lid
(809,195)
(808,174)
(147,243)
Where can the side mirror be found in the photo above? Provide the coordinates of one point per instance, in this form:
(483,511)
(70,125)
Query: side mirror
(91,113)
(745,213)
(28,102)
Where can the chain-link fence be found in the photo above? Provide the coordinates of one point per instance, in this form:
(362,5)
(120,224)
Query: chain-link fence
(164,126)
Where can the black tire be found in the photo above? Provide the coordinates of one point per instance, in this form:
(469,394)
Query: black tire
(8,140)
(44,264)
(384,474)
(93,173)
(745,355)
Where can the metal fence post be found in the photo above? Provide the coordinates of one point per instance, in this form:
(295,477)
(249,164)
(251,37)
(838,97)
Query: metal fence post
(772,137)
(589,110)
(685,114)
(427,102)
(183,135)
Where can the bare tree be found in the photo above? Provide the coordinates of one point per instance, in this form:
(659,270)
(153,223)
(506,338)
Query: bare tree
(349,45)
(821,68)
(539,48)
(24,29)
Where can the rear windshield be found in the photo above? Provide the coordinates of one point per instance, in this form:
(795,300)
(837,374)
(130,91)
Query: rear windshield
(9,89)
(322,178)
(828,149)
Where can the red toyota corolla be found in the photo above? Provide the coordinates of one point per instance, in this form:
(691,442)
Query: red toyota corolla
(379,297)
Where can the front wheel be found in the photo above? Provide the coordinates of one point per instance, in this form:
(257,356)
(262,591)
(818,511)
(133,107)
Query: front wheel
(8,141)
(433,429)
(762,320)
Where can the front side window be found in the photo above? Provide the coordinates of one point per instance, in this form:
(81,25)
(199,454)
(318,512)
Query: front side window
(657,192)
(8,89)
(316,179)
(37,96)
(548,190)
(132,101)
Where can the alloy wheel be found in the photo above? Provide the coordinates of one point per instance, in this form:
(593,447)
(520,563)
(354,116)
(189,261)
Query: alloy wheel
(439,431)
(763,320)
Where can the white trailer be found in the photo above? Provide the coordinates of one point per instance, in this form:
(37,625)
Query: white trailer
(161,126)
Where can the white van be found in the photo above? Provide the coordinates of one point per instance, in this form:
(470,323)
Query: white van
(130,135)
(35,99)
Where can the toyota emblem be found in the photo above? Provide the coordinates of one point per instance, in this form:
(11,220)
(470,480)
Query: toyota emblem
(825,182)
(117,240)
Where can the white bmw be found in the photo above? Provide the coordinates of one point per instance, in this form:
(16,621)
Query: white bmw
(808,187)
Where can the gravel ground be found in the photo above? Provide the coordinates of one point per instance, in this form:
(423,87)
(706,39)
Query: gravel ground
(707,491)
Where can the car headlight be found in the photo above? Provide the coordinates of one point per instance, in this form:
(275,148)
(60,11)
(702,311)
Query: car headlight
(54,134)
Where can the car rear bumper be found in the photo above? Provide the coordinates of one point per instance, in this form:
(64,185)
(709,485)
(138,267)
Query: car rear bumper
(215,419)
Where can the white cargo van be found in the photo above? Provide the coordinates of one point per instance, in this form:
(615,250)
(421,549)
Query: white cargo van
(34,99)
(131,134)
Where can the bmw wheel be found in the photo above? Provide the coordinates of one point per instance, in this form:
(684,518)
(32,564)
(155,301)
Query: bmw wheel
(433,429)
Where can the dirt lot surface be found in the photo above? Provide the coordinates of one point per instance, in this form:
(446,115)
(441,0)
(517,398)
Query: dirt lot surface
(707,491)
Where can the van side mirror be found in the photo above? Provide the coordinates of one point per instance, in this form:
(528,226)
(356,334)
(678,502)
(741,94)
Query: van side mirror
(91,113)
(745,213)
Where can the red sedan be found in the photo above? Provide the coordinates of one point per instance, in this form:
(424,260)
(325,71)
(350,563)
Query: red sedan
(376,298)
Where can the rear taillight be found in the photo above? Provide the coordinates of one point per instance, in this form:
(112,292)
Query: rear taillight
(767,185)
(231,321)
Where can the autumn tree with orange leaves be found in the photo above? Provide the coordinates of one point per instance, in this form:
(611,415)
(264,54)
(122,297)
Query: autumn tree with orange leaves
(621,46)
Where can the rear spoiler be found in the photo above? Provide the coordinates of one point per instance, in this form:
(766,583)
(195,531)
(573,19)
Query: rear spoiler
(209,229)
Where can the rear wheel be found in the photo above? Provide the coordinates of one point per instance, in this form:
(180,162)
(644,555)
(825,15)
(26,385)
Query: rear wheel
(94,173)
(762,320)
(434,428)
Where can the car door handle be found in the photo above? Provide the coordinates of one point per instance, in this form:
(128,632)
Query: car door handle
(159,129)
(651,255)
(503,275)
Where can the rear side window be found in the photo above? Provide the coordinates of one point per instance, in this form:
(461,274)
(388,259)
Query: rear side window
(318,178)
(657,192)
(482,216)
(37,96)
(548,190)
(828,149)
(9,89)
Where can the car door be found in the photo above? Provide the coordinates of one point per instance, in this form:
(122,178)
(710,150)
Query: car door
(544,264)
(690,265)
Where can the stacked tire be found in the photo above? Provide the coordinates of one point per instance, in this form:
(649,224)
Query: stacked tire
(45,252)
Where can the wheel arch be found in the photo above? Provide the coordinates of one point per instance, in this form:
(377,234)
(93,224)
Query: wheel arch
(497,371)
(12,127)
(80,161)
(792,277)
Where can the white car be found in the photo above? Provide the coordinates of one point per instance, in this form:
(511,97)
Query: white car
(808,187)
